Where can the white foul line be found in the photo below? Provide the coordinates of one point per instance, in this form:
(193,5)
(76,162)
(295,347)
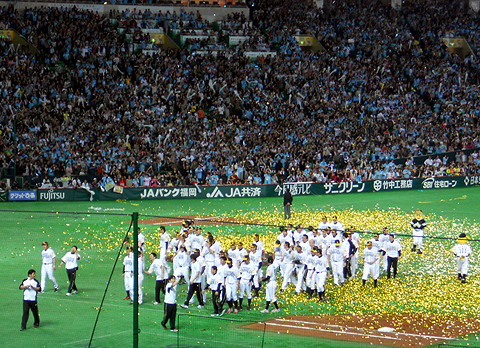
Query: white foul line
(98,337)
(355,328)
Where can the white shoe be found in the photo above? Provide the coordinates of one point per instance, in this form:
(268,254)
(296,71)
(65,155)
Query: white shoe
(276,310)
(184,306)
(75,291)
(42,292)
(199,306)
(68,294)
(264,311)
(155,303)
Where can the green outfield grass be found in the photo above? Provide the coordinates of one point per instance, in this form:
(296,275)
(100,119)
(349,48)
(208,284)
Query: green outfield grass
(426,284)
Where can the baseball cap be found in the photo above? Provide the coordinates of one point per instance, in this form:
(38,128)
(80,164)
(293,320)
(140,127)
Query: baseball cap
(369,242)
(337,241)
(44,243)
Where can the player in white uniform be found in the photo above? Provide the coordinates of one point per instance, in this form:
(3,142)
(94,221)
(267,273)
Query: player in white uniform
(384,239)
(336,256)
(278,256)
(355,238)
(141,240)
(164,243)
(310,279)
(377,246)
(256,257)
(48,266)
(195,283)
(141,269)
(215,282)
(321,263)
(231,286)
(271,287)
(288,264)
(337,226)
(233,253)
(299,258)
(241,252)
(247,273)
(462,251)
(370,256)
(322,226)
(196,240)
(418,225)
(127,273)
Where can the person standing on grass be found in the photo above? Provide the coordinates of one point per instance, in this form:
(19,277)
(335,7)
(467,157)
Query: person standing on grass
(127,273)
(462,251)
(287,204)
(271,288)
(48,266)
(70,260)
(195,283)
(170,303)
(162,271)
(30,287)
(393,253)
(215,282)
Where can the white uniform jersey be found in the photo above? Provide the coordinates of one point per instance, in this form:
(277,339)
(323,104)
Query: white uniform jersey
(337,226)
(278,253)
(195,275)
(164,240)
(306,248)
(233,254)
(128,263)
(321,264)
(370,255)
(323,225)
(175,245)
(260,245)
(247,271)
(256,258)
(197,242)
(356,239)
(393,249)
(240,255)
(299,258)
(271,272)
(384,239)
(297,236)
(221,271)
(462,250)
(30,294)
(310,261)
(376,244)
(287,256)
(337,253)
(208,255)
(285,238)
(231,275)
(48,256)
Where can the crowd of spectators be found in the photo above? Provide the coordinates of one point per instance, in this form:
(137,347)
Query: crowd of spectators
(384,88)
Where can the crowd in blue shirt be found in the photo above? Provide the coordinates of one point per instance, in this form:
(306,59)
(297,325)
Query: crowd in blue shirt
(385,88)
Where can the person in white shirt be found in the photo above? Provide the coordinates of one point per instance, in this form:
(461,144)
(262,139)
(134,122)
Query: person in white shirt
(322,226)
(127,273)
(170,303)
(215,282)
(256,257)
(370,258)
(321,264)
(462,251)
(231,286)
(355,238)
(310,264)
(141,239)
(378,247)
(271,287)
(336,226)
(259,244)
(161,269)
(48,266)
(247,273)
(393,253)
(30,287)
(336,256)
(233,252)
(70,260)
(418,225)
(141,269)
(241,252)
(197,240)
(195,282)
(278,256)
(164,241)
(384,239)
(299,258)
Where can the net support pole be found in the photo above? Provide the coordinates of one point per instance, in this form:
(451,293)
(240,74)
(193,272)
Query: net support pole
(135,280)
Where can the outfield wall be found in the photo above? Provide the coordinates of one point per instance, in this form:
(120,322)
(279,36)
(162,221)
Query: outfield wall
(239,191)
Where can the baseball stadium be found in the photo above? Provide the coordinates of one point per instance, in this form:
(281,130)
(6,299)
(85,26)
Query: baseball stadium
(135,131)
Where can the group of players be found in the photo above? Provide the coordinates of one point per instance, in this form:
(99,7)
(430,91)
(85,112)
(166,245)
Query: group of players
(303,257)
